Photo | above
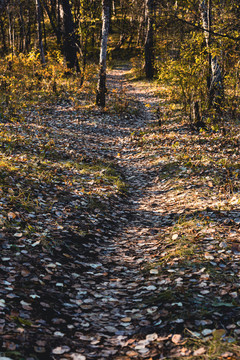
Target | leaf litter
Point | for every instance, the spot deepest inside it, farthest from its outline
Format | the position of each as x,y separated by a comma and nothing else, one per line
119,239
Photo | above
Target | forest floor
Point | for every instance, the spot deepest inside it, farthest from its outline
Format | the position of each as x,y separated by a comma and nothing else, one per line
120,238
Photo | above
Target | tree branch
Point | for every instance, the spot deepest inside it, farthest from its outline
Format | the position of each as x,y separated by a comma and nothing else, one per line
206,30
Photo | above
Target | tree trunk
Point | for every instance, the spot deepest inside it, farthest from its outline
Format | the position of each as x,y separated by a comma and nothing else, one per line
44,31
22,47
196,113
149,40
10,29
101,87
68,31
110,17
140,33
28,34
214,80
52,22
39,24
208,41
3,36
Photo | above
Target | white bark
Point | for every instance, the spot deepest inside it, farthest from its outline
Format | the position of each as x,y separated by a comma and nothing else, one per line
204,14
105,28
101,88
149,40
216,93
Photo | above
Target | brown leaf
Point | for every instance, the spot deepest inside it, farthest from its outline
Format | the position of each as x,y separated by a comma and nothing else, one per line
227,354
11,346
11,215
132,353
25,273
199,351
177,339
126,319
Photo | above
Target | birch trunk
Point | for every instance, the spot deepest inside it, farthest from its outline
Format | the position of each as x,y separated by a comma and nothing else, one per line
101,87
214,81
149,40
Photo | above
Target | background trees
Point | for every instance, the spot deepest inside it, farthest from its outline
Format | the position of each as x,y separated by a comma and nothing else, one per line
193,46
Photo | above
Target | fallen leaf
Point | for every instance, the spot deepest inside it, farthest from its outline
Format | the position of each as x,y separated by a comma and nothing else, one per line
227,354
11,346
18,235
152,337
61,350
177,338
25,273
2,303
132,353
154,271
207,332
126,319
25,305
11,215
199,351
58,333
217,334
78,357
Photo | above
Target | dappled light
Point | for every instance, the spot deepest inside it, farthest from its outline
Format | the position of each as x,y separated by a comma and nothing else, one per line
119,180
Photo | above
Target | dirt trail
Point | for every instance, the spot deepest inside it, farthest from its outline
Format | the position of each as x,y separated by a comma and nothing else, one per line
160,266
141,312
117,286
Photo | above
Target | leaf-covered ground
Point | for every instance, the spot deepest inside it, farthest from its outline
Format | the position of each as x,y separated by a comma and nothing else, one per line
119,239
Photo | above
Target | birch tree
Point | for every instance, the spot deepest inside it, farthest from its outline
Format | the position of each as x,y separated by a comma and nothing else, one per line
214,81
101,87
148,46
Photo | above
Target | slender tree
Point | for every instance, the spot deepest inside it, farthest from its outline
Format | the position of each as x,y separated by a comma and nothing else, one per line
39,23
3,35
148,47
22,37
214,80
53,20
101,87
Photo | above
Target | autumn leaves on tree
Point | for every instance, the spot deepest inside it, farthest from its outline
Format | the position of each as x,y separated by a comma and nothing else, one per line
191,45
119,179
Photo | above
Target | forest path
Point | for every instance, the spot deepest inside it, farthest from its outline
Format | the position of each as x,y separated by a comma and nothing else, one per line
90,272
143,311
120,292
